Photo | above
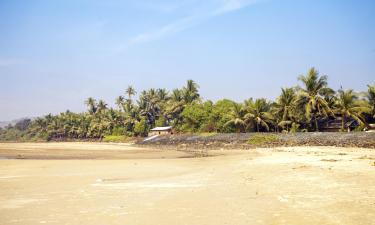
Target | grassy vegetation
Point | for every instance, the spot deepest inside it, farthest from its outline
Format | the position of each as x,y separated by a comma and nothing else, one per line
206,134
114,138
262,139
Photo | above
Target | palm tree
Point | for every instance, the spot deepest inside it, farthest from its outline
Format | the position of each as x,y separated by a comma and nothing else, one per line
91,103
162,94
285,107
174,107
348,106
176,95
131,118
113,120
329,96
120,102
258,113
130,91
237,118
102,106
190,92
150,106
311,96
39,126
152,92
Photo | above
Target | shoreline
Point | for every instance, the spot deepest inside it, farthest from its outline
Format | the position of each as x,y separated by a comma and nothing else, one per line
228,141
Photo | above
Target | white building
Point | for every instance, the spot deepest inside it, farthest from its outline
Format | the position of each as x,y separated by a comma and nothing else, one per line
161,131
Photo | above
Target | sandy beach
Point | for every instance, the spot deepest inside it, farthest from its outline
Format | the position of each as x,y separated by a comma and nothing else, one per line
95,183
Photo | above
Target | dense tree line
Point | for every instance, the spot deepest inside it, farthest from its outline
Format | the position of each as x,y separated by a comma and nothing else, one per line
301,108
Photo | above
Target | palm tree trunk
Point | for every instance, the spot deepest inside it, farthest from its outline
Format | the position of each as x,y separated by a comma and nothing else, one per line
343,123
258,127
316,124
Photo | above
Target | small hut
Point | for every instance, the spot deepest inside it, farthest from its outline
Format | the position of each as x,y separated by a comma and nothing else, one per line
335,125
161,131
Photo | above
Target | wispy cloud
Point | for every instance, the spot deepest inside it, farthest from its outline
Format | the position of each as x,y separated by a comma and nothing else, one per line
220,7
164,7
233,5
164,31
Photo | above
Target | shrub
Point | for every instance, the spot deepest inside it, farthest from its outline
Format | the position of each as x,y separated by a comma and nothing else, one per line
262,139
118,131
294,128
114,138
207,134
141,128
161,122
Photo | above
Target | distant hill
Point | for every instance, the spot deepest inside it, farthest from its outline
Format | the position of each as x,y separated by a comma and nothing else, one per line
13,122
4,123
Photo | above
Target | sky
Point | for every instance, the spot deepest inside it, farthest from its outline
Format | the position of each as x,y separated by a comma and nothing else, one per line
56,53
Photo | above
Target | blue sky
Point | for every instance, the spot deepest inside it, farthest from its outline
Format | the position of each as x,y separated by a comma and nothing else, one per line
55,54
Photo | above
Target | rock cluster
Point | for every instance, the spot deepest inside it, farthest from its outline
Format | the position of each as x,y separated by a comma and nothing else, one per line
243,140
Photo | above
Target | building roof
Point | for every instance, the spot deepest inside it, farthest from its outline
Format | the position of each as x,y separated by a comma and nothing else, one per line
161,128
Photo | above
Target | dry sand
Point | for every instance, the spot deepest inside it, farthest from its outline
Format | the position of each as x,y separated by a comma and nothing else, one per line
129,185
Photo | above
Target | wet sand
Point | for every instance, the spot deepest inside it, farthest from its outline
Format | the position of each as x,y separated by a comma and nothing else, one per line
84,150
130,185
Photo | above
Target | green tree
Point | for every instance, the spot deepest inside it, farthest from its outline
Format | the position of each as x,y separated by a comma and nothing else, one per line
311,96
102,106
285,107
196,116
174,107
190,92
162,94
130,91
237,118
161,122
348,106
91,104
258,114
220,116
120,102
141,128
